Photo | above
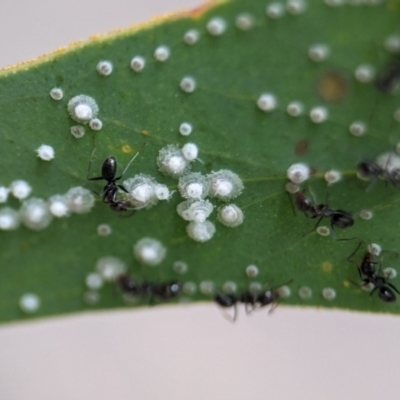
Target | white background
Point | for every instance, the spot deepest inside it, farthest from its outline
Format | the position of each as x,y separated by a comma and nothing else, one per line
182,352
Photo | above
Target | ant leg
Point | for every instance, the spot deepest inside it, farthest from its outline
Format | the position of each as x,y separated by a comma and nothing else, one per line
122,188
130,162
359,272
273,306
315,226
393,287
291,203
373,290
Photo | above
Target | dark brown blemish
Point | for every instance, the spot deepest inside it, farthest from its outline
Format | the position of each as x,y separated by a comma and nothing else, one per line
333,86
301,147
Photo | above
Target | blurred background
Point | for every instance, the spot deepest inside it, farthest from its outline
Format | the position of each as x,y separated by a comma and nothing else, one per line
180,352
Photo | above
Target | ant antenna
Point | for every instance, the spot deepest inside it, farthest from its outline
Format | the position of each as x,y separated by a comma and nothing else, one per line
130,162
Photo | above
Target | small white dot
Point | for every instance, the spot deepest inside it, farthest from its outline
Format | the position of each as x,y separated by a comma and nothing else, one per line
80,200
180,267
392,44
82,108
332,176
78,131
56,93
162,192
91,297
94,281
229,287
292,187
104,230
200,231
110,268
298,173
389,273
225,184
138,63
207,287
374,249
149,251
189,288
275,10
319,52
296,7
185,129
319,114
45,152
230,215
35,214
295,109
188,84
20,189
83,112
252,271
162,53
216,26
190,151
171,161
305,292
323,230
267,102
366,214
195,210
358,128
96,124
58,206
104,68
4,194
284,291
328,293
9,219
244,21
29,303
365,73
191,37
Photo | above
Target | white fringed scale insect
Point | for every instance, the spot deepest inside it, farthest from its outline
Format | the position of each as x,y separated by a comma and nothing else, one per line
225,184
358,128
252,271
9,219
207,287
229,287
162,192
329,294
171,161
284,291
138,63
191,37
193,186
366,214
94,281
29,303
216,26
104,67
267,102
4,191
230,215
200,231
189,288
190,151
96,124
375,249
388,161
319,52
141,191
58,206
295,108
275,10
188,84
80,200
319,114
78,131
162,53
149,251
35,214
195,210
296,7
82,108
104,230
20,189
305,293
180,267
185,129
45,152
323,230
332,176
56,93
298,173
392,44
110,268
244,21
365,73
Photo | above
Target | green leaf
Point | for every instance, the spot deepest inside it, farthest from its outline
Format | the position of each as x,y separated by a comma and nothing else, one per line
231,71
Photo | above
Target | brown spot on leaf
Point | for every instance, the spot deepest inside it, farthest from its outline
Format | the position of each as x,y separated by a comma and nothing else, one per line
301,147
332,87
327,266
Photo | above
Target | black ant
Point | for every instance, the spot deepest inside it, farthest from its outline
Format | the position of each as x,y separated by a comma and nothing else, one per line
371,170
110,190
367,274
387,82
339,218
164,291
